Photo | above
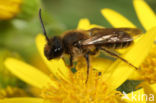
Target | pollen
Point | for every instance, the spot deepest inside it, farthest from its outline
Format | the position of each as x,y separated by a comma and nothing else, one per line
77,91
148,68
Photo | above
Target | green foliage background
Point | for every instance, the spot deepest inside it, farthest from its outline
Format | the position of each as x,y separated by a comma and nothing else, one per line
70,11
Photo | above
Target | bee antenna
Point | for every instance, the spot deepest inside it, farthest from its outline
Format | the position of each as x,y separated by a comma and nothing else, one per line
43,28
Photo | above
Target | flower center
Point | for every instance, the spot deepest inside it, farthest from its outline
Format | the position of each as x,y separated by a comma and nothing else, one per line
148,68
77,91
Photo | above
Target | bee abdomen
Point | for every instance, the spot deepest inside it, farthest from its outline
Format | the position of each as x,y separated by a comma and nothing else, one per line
118,45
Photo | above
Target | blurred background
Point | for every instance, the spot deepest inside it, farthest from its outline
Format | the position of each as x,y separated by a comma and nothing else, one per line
19,25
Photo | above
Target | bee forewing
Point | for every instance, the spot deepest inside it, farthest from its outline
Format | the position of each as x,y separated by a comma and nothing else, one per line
111,35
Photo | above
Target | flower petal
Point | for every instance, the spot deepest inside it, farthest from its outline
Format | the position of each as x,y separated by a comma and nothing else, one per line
153,86
28,73
145,14
136,55
100,64
116,19
83,24
97,63
135,76
57,66
22,100
95,26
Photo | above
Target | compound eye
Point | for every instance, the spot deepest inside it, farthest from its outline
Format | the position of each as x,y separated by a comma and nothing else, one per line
57,50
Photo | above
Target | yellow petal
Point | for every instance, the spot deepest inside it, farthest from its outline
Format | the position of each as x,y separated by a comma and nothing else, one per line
145,14
83,24
124,50
136,55
153,86
94,26
134,76
100,64
116,19
148,88
22,100
57,66
28,73
135,97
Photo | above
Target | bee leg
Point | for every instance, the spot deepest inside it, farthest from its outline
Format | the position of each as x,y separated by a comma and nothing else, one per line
94,51
88,65
71,60
117,56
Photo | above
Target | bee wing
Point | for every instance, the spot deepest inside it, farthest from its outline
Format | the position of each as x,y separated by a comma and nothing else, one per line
130,31
101,36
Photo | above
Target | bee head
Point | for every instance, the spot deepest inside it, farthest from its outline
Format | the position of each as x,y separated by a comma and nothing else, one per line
54,48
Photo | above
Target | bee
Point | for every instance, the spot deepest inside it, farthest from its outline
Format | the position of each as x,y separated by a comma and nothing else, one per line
83,43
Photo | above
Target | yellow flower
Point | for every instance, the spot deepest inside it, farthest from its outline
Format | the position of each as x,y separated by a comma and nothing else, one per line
148,19
148,68
65,87
63,82
9,8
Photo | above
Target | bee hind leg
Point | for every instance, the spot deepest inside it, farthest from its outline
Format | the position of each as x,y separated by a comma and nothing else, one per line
117,56
86,56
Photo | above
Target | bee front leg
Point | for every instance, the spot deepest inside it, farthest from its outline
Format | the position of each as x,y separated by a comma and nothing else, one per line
86,56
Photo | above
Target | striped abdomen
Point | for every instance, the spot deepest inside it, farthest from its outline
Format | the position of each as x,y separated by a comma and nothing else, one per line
118,45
